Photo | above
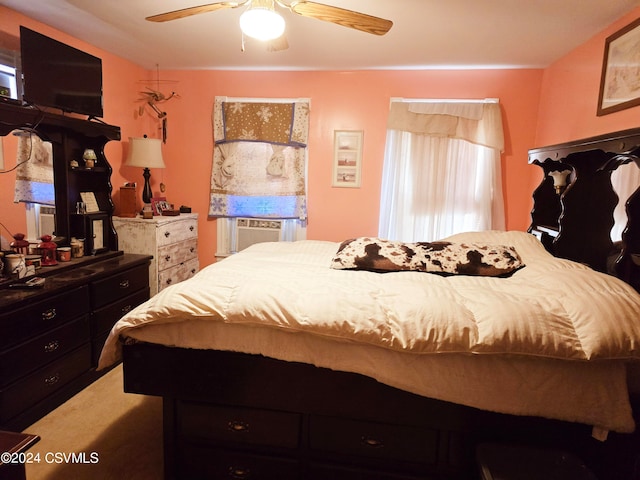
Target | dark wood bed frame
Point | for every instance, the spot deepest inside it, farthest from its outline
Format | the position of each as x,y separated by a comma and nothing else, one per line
238,416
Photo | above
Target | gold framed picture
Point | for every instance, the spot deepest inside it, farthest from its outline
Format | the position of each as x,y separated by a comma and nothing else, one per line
620,81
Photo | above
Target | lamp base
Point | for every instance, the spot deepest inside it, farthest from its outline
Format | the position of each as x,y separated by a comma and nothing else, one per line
146,192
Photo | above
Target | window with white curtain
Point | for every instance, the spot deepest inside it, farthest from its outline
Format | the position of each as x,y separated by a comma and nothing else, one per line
441,171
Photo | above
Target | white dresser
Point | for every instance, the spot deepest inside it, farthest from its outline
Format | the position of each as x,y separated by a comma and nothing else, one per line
173,242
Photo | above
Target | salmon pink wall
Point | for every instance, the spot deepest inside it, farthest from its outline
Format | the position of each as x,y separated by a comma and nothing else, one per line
356,100
539,107
569,97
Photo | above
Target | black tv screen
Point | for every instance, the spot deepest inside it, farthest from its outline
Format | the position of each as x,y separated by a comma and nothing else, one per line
60,76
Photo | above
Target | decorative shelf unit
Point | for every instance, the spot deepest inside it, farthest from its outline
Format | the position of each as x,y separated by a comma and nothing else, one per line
576,224
69,137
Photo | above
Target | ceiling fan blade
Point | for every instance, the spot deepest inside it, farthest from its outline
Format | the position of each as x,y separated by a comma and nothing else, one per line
187,12
342,16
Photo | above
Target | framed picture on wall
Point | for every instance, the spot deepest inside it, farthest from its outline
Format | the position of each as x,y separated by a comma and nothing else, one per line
620,82
347,158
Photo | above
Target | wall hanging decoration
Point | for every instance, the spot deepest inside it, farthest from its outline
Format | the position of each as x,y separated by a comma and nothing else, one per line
153,98
347,158
619,85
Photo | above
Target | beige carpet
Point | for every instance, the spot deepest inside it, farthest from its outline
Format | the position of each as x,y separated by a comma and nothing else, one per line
120,435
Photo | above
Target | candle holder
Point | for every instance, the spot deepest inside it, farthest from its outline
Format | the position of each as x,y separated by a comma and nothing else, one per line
47,251
19,244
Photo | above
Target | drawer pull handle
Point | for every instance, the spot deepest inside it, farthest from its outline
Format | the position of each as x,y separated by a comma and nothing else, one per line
52,380
168,282
240,473
191,228
193,270
167,234
52,346
238,426
49,314
126,309
124,284
167,258
192,249
371,442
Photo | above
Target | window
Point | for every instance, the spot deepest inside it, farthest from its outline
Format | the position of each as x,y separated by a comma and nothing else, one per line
231,238
259,170
9,73
41,220
441,171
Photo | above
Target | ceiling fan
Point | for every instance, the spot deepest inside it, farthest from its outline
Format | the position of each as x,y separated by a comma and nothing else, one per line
261,13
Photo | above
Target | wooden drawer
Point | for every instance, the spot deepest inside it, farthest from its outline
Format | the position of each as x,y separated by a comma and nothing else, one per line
50,346
325,472
104,318
28,391
199,462
239,426
373,440
108,290
177,253
177,231
177,274
21,324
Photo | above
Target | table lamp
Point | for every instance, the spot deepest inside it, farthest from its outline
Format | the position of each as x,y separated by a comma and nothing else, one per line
146,153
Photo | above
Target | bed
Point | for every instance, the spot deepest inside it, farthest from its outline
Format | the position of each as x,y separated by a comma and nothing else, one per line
293,360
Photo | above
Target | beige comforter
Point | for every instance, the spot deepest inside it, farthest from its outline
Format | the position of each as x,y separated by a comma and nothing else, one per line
551,308
549,341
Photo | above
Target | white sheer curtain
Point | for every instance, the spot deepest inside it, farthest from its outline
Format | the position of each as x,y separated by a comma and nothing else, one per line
441,170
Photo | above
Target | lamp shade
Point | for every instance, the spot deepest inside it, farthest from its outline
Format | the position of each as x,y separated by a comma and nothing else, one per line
145,152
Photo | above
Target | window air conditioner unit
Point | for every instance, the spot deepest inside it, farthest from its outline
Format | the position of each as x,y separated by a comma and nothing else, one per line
47,221
256,230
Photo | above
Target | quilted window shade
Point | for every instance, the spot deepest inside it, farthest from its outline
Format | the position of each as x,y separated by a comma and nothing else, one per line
34,172
259,158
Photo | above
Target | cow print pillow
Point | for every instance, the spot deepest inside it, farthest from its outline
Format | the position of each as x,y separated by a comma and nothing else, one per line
376,255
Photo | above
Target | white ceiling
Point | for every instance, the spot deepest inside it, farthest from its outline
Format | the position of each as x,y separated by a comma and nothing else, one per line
425,34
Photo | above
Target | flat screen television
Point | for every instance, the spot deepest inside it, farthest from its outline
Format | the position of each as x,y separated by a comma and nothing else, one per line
60,76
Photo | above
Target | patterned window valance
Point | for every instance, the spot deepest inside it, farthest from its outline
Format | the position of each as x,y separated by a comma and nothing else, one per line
282,123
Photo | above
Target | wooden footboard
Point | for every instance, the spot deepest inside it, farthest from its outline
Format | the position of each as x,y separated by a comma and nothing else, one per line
240,416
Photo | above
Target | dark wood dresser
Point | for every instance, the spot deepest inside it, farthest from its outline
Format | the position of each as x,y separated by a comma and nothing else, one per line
51,337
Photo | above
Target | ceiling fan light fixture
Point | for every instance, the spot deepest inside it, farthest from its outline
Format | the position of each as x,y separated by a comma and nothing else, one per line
262,23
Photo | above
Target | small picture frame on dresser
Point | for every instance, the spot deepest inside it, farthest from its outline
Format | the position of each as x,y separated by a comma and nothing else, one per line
158,204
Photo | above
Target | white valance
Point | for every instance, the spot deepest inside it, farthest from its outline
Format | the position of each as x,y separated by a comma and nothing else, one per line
476,122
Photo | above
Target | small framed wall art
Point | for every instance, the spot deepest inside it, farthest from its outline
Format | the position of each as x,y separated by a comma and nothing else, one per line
347,158
619,85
